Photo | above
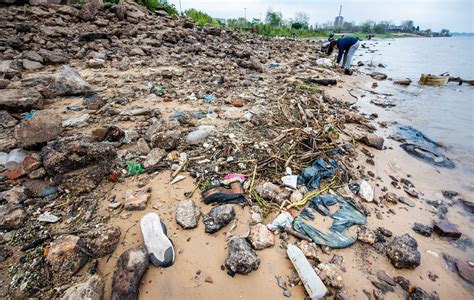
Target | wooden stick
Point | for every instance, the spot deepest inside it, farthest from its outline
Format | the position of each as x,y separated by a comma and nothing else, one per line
297,234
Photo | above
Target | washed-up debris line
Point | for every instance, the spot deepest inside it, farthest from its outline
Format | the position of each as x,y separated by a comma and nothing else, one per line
83,108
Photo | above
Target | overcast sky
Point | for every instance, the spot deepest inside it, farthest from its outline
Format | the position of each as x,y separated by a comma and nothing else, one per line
456,15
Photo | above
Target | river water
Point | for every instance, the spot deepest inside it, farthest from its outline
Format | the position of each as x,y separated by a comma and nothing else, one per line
445,114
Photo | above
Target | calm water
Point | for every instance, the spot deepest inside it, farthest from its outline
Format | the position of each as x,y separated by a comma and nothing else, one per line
445,114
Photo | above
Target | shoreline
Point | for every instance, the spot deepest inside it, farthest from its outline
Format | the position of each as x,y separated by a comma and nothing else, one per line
174,76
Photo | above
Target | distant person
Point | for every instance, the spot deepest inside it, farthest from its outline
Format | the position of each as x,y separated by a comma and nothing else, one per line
347,47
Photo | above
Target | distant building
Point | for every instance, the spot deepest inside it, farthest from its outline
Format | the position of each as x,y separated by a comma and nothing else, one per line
339,19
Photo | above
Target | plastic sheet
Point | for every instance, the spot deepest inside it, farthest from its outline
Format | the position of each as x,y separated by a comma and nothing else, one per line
347,216
320,203
319,170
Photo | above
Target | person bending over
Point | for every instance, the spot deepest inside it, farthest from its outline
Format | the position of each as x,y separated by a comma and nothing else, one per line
347,47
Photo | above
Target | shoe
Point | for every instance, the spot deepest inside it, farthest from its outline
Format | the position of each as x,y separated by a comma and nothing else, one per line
159,246
347,71
222,194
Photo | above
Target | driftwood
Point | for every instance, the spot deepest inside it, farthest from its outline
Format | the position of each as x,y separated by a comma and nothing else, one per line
297,234
324,82
460,80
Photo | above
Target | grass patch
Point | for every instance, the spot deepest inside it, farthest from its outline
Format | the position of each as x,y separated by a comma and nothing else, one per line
309,88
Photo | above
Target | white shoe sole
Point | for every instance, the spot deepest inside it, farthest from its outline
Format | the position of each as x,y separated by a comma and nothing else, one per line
159,246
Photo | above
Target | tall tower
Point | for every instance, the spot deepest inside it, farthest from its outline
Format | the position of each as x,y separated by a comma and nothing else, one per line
339,19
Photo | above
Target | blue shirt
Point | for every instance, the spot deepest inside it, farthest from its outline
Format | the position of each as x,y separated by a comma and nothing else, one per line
343,44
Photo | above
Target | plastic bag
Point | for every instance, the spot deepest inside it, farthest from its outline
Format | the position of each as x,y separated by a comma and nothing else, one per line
134,168
283,220
337,237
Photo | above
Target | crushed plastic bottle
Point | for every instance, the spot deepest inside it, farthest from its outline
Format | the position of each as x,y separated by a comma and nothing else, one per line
15,158
200,134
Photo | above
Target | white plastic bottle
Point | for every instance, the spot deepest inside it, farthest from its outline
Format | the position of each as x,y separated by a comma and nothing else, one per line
312,283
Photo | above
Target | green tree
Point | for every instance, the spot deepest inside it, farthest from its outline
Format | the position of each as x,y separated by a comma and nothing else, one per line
366,27
379,28
302,18
274,19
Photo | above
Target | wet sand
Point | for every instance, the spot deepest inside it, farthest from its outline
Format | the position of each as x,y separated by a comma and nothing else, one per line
200,256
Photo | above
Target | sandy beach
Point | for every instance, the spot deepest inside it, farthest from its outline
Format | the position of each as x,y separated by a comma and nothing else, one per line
156,85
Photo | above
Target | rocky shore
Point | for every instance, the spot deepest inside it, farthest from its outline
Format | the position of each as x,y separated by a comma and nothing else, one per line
109,112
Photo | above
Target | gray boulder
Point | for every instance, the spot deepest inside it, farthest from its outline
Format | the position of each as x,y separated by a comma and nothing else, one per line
12,216
218,217
43,127
68,82
16,100
103,240
403,252
76,165
242,258
66,255
187,214
91,289
53,57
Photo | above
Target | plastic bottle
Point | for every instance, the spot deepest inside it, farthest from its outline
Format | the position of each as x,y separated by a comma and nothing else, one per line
15,158
311,281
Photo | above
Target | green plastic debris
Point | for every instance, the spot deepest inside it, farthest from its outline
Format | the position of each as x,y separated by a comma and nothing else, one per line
134,168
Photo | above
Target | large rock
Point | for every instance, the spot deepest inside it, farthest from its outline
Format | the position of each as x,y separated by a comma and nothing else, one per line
329,274
12,216
420,294
154,157
218,217
102,241
167,140
15,195
7,121
309,249
187,214
90,9
422,229
66,255
372,140
76,165
260,237
242,258
43,127
403,252
252,64
378,76
31,65
444,228
53,57
130,268
68,82
366,235
15,100
137,200
32,56
91,289
10,69
465,270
